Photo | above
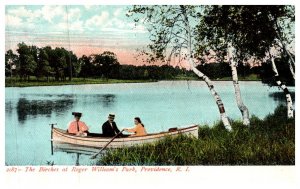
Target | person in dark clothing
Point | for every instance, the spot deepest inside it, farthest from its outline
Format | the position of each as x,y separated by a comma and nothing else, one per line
109,128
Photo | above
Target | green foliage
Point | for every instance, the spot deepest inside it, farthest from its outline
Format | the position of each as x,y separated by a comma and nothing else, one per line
43,67
11,60
215,70
27,60
165,25
252,30
285,76
106,64
270,141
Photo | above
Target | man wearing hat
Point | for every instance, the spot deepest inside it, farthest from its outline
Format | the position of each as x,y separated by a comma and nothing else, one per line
109,128
76,126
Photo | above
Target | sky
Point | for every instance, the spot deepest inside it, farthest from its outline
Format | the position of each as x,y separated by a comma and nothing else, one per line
83,29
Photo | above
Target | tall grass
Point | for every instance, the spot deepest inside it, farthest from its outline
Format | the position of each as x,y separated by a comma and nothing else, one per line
270,141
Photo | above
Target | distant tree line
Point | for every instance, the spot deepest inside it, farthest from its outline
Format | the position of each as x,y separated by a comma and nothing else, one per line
60,64
263,71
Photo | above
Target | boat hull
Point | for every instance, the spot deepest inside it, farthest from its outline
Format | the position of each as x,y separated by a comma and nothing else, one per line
60,136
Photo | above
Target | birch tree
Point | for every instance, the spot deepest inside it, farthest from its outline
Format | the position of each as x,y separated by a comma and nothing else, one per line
233,64
250,30
219,38
283,20
289,102
171,31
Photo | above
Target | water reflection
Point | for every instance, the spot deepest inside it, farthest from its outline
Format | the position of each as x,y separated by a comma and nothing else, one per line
79,153
55,96
280,96
27,107
106,100
39,104
8,107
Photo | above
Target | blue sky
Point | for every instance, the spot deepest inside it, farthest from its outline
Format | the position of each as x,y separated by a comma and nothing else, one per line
84,29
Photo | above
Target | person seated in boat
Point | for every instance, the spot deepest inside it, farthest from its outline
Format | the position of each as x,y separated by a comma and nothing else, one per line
138,129
109,128
78,127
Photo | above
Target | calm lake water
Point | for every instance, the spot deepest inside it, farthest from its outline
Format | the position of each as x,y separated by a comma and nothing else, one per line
160,105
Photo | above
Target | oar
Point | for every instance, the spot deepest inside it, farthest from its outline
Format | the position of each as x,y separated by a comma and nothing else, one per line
94,156
52,126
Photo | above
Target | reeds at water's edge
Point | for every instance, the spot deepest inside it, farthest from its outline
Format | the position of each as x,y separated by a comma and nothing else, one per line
270,141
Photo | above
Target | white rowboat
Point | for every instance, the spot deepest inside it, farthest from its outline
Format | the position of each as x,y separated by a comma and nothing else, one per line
93,140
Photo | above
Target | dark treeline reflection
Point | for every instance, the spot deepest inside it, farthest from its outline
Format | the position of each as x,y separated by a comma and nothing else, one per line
106,100
280,96
8,107
42,107
46,104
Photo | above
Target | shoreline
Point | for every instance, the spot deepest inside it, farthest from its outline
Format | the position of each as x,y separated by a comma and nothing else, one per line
90,81
80,82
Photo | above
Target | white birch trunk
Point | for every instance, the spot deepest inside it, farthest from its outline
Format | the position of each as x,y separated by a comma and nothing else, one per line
292,70
208,82
289,102
291,60
283,46
238,97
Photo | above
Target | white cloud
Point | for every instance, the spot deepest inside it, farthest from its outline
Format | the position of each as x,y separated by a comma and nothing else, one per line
88,7
62,26
73,14
21,12
115,22
140,29
13,21
77,26
118,11
26,14
131,25
97,20
49,12
35,15
73,26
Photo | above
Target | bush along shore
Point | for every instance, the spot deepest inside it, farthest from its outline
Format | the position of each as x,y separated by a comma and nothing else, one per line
270,141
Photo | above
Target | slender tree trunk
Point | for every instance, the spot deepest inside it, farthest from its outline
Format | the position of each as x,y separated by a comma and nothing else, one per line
291,60
283,46
238,97
208,82
292,69
289,102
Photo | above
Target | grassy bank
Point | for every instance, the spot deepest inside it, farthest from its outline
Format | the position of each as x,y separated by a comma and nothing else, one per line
270,141
15,82
75,81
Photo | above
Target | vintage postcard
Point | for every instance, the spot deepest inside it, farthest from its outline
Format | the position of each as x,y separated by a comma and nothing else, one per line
129,90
